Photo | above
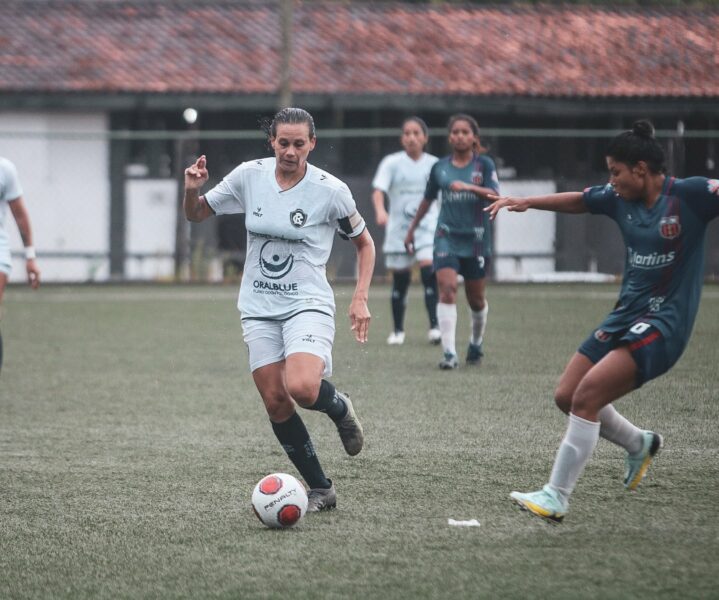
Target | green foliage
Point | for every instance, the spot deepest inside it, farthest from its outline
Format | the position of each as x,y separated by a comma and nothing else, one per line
131,436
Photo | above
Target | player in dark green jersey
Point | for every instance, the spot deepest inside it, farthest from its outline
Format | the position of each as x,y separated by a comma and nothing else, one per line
463,238
663,222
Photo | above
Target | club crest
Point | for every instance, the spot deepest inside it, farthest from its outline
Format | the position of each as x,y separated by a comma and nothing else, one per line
669,227
298,218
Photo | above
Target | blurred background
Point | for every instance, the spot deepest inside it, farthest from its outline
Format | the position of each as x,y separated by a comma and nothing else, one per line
103,103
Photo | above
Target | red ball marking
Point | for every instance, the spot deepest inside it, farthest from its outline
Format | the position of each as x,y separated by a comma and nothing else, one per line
289,515
270,485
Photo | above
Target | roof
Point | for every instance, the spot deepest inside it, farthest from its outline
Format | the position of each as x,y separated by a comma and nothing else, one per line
232,47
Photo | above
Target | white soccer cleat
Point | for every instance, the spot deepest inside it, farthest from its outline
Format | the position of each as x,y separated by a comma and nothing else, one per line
396,338
434,336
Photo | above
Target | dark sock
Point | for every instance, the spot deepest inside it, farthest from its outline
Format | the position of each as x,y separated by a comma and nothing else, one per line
400,285
296,441
429,281
329,402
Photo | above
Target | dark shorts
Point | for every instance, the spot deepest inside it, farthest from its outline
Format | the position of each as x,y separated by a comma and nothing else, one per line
471,268
645,342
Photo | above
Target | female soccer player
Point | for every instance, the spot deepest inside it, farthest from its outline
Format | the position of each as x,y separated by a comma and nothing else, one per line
293,210
11,194
663,221
463,238
402,176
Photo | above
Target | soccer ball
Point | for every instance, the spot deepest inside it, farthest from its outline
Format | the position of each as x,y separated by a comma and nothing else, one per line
279,500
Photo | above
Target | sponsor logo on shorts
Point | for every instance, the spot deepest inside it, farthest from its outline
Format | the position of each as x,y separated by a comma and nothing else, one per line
602,336
669,227
309,339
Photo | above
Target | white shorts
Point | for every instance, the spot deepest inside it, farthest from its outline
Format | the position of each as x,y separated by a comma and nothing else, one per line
401,261
5,258
273,341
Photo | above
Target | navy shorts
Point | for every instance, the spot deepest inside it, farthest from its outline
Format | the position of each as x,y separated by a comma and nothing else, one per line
645,342
471,268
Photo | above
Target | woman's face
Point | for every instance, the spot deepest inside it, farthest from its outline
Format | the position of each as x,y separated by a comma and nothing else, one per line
413,138
461,136
628,181
292,146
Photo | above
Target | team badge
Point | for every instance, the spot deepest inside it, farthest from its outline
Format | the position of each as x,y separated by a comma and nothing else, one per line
298,218
669,227
713,186
602,336
477,177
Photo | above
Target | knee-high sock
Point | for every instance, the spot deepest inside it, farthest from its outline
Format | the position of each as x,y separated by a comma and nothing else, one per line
429,281
573,454
479,324
447,317
329,402
295,440
400,285
619,430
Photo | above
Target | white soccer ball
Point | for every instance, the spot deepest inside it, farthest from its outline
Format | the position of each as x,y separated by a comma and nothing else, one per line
279,500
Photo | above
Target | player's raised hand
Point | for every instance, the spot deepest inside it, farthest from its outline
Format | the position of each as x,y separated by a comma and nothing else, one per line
196,175
359,318
508,202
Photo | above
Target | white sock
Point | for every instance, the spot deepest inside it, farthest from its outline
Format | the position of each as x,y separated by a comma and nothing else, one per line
573,454
447,319
618,430
479,324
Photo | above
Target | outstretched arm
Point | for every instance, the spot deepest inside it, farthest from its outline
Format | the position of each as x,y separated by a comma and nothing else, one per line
482,192
359,311
22,218
196,207
565,202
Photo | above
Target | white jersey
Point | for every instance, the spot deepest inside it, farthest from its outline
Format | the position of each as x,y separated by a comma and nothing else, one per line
404,180
9,190
289,236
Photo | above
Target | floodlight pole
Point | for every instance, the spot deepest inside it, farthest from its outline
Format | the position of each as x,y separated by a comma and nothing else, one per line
285,91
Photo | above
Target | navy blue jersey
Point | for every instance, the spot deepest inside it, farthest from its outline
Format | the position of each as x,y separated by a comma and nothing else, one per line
664,265
462,226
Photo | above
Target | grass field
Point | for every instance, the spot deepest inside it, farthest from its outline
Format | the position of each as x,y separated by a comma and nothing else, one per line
131,437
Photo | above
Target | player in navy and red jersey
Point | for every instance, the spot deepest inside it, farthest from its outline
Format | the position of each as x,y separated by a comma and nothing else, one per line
463,237
663,222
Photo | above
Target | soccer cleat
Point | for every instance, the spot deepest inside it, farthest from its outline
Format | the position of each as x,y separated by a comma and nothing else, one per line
321,499
449,362
474,354
350,429
637,464
396,338
434,336
544,503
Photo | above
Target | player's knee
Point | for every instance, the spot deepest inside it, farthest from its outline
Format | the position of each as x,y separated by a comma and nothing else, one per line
448,295
304,391
585,400
278,406
563,399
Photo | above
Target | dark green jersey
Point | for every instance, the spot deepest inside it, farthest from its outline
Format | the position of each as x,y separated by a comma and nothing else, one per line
463,228
664,267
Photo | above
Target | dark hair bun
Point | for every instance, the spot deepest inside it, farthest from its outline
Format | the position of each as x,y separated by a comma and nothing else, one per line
643,129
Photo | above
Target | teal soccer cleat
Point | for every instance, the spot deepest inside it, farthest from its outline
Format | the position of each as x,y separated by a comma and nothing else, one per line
545,503
474,354
637,464
449,362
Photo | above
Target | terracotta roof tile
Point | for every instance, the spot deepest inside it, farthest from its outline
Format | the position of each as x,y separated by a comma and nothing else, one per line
234,47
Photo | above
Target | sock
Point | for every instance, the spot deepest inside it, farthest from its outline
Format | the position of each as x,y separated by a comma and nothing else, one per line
400,285
329,402
618,430
429,281
573,454
479,324
296,441
447,317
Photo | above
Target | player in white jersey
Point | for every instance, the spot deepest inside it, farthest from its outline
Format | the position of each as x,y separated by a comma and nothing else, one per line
11,194
293,211
402,177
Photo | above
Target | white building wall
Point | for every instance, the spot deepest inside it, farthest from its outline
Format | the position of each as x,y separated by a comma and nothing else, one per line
63,164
